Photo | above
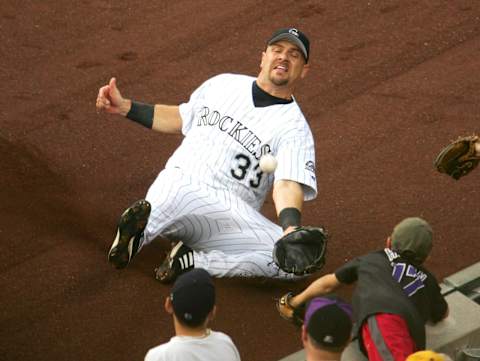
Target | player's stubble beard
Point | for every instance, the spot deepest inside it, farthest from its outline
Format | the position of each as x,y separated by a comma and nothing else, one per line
279,82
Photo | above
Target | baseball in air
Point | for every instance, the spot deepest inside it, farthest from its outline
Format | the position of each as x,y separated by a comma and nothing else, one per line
268,163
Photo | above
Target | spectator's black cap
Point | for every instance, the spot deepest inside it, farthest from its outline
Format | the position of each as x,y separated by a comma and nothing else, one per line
193,296
328,321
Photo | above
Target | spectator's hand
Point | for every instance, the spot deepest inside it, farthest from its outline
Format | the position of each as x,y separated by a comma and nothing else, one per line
288,312
110,99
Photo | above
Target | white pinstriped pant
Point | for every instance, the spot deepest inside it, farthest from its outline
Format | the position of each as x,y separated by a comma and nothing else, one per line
229,238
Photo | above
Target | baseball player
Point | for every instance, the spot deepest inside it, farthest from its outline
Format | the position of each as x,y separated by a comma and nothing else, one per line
208,198
394,295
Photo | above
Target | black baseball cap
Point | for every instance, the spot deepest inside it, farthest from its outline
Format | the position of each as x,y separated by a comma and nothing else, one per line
193,297
294,36
328,321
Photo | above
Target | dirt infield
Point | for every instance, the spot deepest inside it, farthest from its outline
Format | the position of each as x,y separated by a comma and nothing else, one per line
391,83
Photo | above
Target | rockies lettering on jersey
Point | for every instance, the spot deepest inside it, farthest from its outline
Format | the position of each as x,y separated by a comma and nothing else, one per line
235,129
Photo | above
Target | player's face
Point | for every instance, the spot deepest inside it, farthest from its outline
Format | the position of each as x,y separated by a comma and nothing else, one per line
283,64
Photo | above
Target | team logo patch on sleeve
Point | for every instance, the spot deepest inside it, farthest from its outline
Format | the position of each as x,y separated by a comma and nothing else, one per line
310,165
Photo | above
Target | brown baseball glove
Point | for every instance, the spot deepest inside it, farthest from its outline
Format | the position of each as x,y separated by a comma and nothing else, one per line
288,312
458,158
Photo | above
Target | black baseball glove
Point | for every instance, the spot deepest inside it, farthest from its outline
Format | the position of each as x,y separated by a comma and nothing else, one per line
301,251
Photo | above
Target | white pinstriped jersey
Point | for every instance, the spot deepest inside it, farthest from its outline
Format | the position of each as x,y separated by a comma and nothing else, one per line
225,136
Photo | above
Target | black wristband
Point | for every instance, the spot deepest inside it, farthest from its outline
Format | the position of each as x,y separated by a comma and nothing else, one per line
290,217
141,113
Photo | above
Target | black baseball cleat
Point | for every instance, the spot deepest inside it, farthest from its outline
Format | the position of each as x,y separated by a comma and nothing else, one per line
178,261
129,232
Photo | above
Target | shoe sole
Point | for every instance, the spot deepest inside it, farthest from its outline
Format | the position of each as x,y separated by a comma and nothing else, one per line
121,251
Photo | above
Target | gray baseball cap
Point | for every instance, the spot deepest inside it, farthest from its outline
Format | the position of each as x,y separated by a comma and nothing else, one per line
294,36
413,235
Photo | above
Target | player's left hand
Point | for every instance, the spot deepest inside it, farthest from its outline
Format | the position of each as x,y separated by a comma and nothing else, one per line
289,230
302,251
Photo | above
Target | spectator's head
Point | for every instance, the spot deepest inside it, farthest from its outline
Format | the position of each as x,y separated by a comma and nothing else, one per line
192,299
428,355
412,239
327,326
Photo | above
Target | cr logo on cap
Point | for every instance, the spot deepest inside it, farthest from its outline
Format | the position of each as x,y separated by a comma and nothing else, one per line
293,31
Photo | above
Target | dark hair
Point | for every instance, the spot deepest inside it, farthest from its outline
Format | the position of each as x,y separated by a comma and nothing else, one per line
193,323
323,347
411,257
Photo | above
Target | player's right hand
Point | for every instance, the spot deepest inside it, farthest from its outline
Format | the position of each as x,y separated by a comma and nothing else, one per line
110,99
